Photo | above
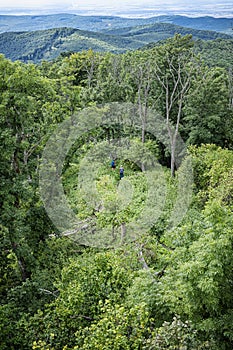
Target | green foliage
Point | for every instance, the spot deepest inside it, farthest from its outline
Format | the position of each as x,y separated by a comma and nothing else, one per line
9,271
208,116
196,274
86,284
216,52
213,173
118,328
56,294
177,335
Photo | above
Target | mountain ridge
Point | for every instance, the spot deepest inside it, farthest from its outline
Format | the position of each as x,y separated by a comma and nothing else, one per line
9,23
48,44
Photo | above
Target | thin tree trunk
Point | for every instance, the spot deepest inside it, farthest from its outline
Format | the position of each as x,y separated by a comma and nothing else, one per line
123,231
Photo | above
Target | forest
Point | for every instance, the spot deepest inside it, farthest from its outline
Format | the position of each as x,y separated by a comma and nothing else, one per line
36,46
89,261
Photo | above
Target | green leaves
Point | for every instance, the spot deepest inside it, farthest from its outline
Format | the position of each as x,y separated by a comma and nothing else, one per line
207,116
177,335
57,294
213,173
118,328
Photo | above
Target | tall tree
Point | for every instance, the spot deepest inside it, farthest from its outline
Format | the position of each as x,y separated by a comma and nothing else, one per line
207,112
25,96
173,69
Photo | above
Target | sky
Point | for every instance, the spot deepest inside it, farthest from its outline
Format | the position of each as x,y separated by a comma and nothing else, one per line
220,7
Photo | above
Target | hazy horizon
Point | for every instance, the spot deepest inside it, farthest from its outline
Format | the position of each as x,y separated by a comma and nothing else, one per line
137,8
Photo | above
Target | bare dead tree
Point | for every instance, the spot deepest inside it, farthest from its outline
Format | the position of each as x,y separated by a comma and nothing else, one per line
230,83
90,65
175,85
144,80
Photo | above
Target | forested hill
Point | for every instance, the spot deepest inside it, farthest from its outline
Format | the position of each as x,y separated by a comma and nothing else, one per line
101,23
48,44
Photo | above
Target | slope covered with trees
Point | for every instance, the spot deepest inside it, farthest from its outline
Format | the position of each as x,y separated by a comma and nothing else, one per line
171,286
36,46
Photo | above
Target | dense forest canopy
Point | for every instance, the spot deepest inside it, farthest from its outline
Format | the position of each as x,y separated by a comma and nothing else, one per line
168,286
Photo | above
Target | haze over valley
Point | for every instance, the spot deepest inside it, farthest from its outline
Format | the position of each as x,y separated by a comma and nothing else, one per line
137,8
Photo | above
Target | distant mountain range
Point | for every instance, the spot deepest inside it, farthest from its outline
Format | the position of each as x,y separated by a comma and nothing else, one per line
112,34
101,23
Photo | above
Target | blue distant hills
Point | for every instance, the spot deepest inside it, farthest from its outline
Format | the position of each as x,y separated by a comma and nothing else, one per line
102,23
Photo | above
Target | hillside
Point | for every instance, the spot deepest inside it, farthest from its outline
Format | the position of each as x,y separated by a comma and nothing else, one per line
160,31
101,23
50,43
216,53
